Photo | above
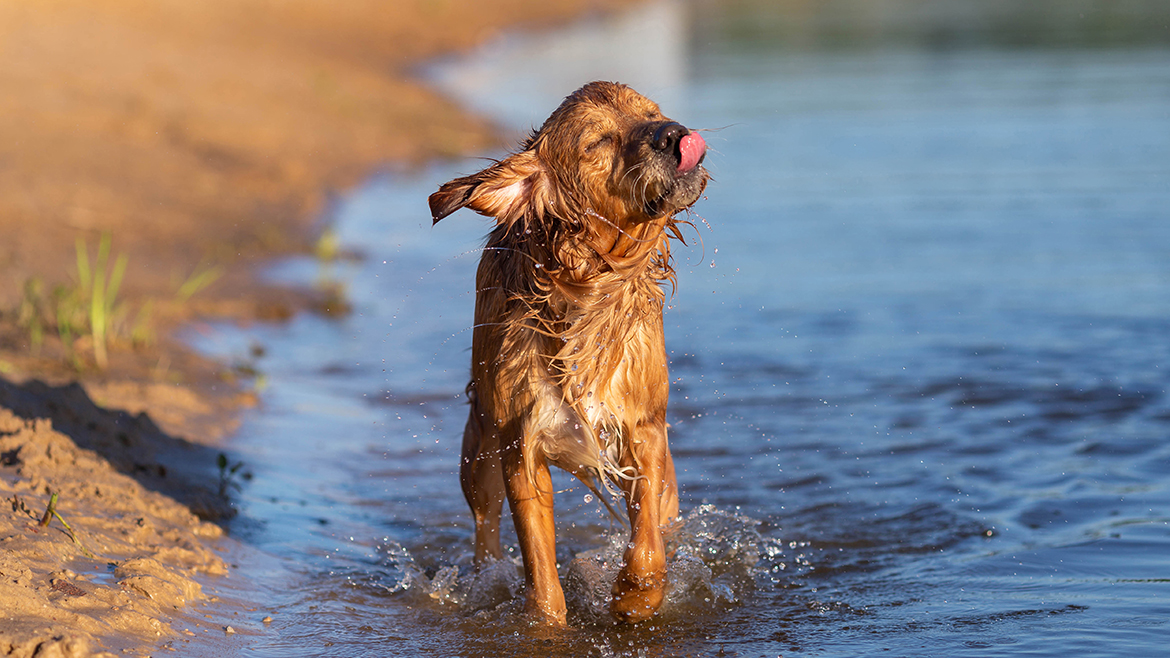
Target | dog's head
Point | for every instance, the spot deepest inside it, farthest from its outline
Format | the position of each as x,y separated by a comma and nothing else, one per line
606,151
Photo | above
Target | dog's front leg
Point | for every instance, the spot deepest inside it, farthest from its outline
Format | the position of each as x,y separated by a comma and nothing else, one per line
530,495
641,583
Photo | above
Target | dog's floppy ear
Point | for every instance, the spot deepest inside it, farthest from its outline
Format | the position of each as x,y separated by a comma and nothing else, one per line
506,190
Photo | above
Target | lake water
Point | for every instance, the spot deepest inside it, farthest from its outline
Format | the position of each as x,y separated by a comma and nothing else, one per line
920,353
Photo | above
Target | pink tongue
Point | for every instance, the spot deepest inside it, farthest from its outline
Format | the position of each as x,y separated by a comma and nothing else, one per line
691,149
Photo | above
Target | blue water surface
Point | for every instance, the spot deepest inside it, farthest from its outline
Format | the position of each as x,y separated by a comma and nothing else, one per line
920,351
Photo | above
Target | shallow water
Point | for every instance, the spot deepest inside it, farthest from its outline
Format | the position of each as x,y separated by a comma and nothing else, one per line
920,358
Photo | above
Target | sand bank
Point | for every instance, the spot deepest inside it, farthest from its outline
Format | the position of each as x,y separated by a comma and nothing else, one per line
200,138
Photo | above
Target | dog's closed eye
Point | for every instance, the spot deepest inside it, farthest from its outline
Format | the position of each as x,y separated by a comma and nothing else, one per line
607,139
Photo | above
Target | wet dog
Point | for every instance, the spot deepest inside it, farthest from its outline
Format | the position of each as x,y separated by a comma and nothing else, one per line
568,362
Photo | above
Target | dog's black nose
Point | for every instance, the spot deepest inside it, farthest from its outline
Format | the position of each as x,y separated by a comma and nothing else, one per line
667,136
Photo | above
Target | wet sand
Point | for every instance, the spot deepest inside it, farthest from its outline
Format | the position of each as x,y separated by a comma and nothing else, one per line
203,137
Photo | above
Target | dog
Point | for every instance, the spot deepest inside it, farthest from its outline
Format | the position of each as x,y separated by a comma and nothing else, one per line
568,359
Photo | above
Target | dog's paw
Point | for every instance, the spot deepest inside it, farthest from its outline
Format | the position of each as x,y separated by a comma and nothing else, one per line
637,598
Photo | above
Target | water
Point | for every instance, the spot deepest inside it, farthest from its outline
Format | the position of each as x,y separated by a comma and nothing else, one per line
920,358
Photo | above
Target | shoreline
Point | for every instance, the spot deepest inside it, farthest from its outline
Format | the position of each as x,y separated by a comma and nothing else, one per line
201,149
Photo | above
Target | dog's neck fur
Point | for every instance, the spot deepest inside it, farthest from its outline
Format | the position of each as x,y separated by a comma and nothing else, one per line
574,269
580,311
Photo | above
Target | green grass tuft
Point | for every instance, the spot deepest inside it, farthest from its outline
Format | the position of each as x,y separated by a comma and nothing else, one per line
100,286
88,316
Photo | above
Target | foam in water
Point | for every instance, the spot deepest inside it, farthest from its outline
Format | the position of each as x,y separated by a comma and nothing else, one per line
714,559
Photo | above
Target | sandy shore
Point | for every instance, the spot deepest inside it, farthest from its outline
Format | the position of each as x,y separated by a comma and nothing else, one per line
204,139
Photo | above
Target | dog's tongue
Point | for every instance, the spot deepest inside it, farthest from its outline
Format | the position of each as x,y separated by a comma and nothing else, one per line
691,149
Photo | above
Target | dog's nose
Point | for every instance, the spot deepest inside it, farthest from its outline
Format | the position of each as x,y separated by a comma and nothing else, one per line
667,137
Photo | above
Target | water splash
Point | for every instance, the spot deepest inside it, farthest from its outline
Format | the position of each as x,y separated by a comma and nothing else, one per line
460,586
714,559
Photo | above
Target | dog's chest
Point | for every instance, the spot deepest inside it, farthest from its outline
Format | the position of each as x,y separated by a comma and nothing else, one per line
611,365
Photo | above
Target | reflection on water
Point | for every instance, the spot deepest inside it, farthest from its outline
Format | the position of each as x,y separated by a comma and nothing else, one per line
921,365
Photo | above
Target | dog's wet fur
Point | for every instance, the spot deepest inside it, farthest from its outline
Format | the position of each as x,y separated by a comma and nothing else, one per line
568,361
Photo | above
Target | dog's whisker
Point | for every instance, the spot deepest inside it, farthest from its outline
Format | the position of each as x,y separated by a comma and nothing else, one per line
641,187
639,166
629,171
715,130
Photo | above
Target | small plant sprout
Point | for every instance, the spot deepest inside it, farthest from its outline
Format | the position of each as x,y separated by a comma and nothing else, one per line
201,278
328,246
29,314
227,473
87,314
50,513
100,285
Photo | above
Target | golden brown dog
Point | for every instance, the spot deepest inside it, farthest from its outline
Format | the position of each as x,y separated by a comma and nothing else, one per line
568,361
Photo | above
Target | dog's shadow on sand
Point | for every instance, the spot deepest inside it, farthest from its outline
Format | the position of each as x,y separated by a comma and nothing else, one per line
190,473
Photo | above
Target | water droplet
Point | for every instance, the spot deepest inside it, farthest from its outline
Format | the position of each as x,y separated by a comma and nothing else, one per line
589,498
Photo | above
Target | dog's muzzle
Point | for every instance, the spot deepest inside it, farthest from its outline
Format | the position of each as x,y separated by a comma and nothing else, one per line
688,148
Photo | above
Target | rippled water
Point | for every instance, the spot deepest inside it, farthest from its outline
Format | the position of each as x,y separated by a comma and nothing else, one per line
921,349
